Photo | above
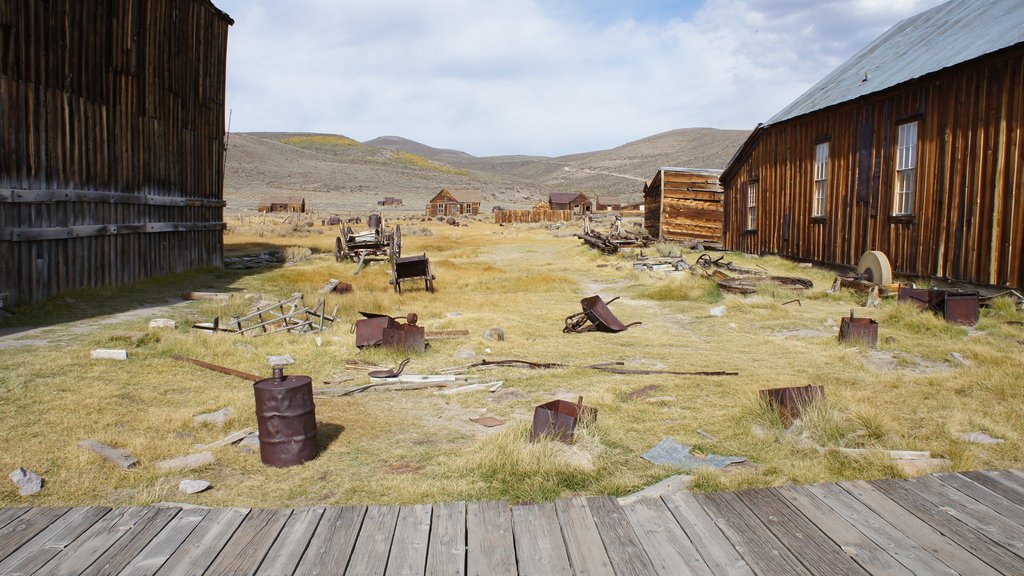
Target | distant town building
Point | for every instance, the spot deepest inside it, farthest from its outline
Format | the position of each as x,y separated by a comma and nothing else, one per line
389,201
454,203
282,204
569,201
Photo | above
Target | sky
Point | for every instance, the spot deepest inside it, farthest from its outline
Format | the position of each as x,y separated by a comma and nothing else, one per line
539,77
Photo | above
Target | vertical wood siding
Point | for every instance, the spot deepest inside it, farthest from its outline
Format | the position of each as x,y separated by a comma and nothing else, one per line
968,210
111,141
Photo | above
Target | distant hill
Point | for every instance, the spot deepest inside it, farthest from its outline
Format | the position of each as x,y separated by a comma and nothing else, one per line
335,173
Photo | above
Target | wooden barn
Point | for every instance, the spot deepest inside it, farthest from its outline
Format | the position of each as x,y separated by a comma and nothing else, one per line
569,201
912,147
111,142
282,204
684,204
455,203
390,201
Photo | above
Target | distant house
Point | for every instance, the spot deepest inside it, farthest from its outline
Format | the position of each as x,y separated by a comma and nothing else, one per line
616,204
282,204
684,204
389,201
569,201
454,203
912,147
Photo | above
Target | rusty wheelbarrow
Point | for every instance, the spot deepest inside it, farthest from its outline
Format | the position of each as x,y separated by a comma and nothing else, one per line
596,312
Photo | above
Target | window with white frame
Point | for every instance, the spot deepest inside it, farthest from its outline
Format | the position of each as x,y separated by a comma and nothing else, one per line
752,205
906,168
820,180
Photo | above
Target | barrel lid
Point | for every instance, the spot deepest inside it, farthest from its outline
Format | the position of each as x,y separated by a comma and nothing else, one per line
284,384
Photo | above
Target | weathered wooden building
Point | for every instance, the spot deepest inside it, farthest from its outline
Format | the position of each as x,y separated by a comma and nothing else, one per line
608,203
912,147
282,204
569,201
455,203
682,204
111,142
389,201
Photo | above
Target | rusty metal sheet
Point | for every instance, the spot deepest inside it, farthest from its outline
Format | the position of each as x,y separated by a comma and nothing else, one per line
558,419
596,311
789,402
859,330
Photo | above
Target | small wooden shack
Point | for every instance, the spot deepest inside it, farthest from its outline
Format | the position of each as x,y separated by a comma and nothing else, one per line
454,203
569,201
282,204
682,204
389,201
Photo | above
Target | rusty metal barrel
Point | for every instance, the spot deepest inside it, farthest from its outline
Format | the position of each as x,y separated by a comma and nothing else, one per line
286,417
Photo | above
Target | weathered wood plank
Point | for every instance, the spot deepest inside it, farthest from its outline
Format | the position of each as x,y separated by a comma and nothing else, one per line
625,552
90,546
446,555
245,550
26,527
331,547
164,544
409,547
938,545
667,546
204,543
490,549
8,515
122,552
859,547
540,549
812,548
48,543
993,554
284,556
996,482
763,551
582,540
370,555
905,550
1005,507
719,554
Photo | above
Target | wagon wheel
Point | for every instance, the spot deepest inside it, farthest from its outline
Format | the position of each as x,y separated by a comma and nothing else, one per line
396,242
394,277
339,249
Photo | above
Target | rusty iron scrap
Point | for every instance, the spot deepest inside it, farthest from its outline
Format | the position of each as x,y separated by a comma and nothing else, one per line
383,330
598,315
216,368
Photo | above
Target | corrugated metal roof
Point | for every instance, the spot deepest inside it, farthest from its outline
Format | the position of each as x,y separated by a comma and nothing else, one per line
939,38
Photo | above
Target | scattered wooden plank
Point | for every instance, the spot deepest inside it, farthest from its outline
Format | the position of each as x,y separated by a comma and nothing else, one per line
540,550
26,527
624,549
409,547
582,539
45,545
117,456
718,553
198,550
126,548
446,555
996,482
490,386
445,334
284,556
894,454
489,539
419,379
245,550
993,554
943,548
373,546
763,551
93,543
165,543
667,545
331,547
215,296
227,440
189,462
220,369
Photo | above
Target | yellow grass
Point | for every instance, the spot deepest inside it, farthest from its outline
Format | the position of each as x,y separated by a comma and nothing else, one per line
420,446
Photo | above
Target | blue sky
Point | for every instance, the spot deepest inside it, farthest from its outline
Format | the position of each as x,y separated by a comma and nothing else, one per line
545,77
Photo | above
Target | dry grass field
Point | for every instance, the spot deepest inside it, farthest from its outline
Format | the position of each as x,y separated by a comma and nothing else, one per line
420,446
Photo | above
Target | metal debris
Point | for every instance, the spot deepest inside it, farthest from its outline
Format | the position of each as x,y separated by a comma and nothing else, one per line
412,268
749,284
669,452
955,306
383,330
597,313
789,402
864,330
558,419
616,239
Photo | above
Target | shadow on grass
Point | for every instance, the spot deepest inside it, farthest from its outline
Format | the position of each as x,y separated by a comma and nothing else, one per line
327,433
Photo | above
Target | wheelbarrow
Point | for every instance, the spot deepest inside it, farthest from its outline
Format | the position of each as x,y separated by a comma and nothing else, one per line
411,268
598,315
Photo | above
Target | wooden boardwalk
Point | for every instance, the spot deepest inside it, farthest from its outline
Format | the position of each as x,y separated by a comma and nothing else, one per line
970,523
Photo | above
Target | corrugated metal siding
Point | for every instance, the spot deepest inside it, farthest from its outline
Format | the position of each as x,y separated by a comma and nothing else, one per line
111,141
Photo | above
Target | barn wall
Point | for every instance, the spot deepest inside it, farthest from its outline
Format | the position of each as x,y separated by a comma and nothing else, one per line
968,214
688,204
111,141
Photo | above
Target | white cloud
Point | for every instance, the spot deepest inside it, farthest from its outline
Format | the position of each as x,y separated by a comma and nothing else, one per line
525,76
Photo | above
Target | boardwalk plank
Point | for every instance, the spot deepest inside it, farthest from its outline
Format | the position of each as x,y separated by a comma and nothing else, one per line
993,554
881,532
490,546
971,512
204,543
996,482
857,546
763,551
370,555
540,549
626,553
164,544
92,544
1005,507
125,549
446,555
587,554
408,555
805,541
938,545
720,555
331,547
48,543
248,546
283,557
8,515
26,527
667,546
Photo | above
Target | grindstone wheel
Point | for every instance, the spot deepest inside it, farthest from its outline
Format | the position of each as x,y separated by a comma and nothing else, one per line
874,266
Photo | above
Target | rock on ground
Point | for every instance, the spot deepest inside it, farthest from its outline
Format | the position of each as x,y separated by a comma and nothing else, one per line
218,418
192,486
28,483
496,334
